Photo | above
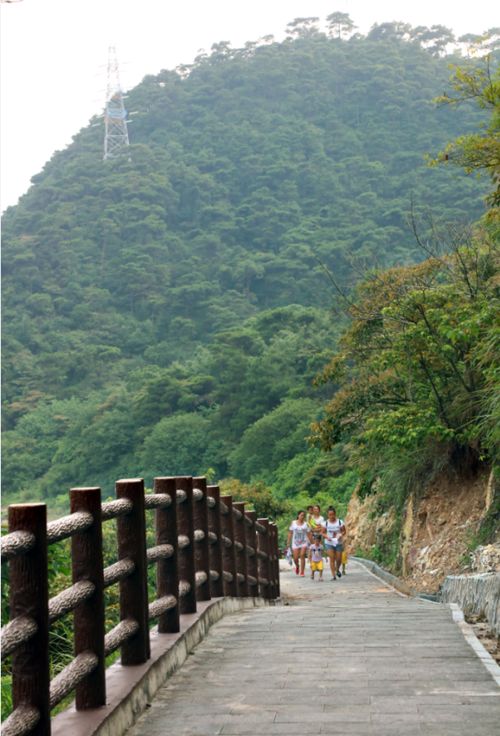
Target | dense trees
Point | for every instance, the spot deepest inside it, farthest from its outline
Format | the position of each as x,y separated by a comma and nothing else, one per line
171,307
409,371
415,379
478,151
188,417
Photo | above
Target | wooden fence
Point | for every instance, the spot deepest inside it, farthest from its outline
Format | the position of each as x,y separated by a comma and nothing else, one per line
206,546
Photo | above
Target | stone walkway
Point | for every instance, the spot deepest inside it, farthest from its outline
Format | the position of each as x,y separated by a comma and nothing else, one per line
345,657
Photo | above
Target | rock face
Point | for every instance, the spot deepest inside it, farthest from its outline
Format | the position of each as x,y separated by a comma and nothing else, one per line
435,534
486,559
366,529
477,595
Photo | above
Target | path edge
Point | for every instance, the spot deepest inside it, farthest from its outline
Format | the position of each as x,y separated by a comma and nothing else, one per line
472,640
129,690
387,577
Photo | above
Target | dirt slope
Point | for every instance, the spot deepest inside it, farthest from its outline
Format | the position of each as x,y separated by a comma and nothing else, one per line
437,533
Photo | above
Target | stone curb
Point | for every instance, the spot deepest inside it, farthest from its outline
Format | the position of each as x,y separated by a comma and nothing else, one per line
129,690
476,594
472,640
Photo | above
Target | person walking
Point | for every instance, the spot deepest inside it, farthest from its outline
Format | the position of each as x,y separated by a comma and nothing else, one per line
298,535
334,536
316,550
316,521
344,554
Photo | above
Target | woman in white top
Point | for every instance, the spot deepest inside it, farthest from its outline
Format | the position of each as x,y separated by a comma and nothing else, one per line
298,535
334,538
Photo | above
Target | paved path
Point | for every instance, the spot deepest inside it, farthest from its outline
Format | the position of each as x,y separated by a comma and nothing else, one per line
345,657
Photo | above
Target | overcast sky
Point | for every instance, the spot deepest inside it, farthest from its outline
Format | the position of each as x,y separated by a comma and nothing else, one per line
54,54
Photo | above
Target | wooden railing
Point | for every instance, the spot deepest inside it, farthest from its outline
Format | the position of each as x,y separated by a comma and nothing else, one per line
206,546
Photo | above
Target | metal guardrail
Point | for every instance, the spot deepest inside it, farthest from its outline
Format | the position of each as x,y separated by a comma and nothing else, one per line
206,546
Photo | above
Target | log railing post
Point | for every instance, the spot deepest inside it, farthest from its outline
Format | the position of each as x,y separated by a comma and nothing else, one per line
88,617
228,552
253,561
28,578
271,567
240,535
265,562
215,549
201,546
274,559
167,575
133,589
185,528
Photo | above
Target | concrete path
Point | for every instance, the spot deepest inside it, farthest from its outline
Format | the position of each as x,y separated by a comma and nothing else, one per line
345,657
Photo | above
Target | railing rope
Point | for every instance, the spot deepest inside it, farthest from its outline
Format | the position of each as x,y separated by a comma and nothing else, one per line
69,599
70,678
185,588
181,496
183,541
160,552
66,526
117,571
201,578
161,605
16,543
157,500
197,492
118,634
16,632
113,509
21,721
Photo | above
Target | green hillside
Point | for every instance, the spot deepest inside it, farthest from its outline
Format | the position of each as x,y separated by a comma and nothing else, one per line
168,310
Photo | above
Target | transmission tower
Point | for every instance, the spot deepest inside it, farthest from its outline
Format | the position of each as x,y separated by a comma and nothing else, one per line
115,115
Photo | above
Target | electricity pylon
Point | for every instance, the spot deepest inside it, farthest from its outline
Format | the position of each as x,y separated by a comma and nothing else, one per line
115,115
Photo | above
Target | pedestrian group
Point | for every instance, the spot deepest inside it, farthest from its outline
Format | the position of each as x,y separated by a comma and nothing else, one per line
307,535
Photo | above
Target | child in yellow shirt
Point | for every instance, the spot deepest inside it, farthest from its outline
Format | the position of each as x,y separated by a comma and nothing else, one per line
316,551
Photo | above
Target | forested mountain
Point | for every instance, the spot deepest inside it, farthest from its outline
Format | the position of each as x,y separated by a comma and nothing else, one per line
166,311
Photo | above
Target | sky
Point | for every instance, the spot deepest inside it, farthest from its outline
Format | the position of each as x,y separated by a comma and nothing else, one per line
53,55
